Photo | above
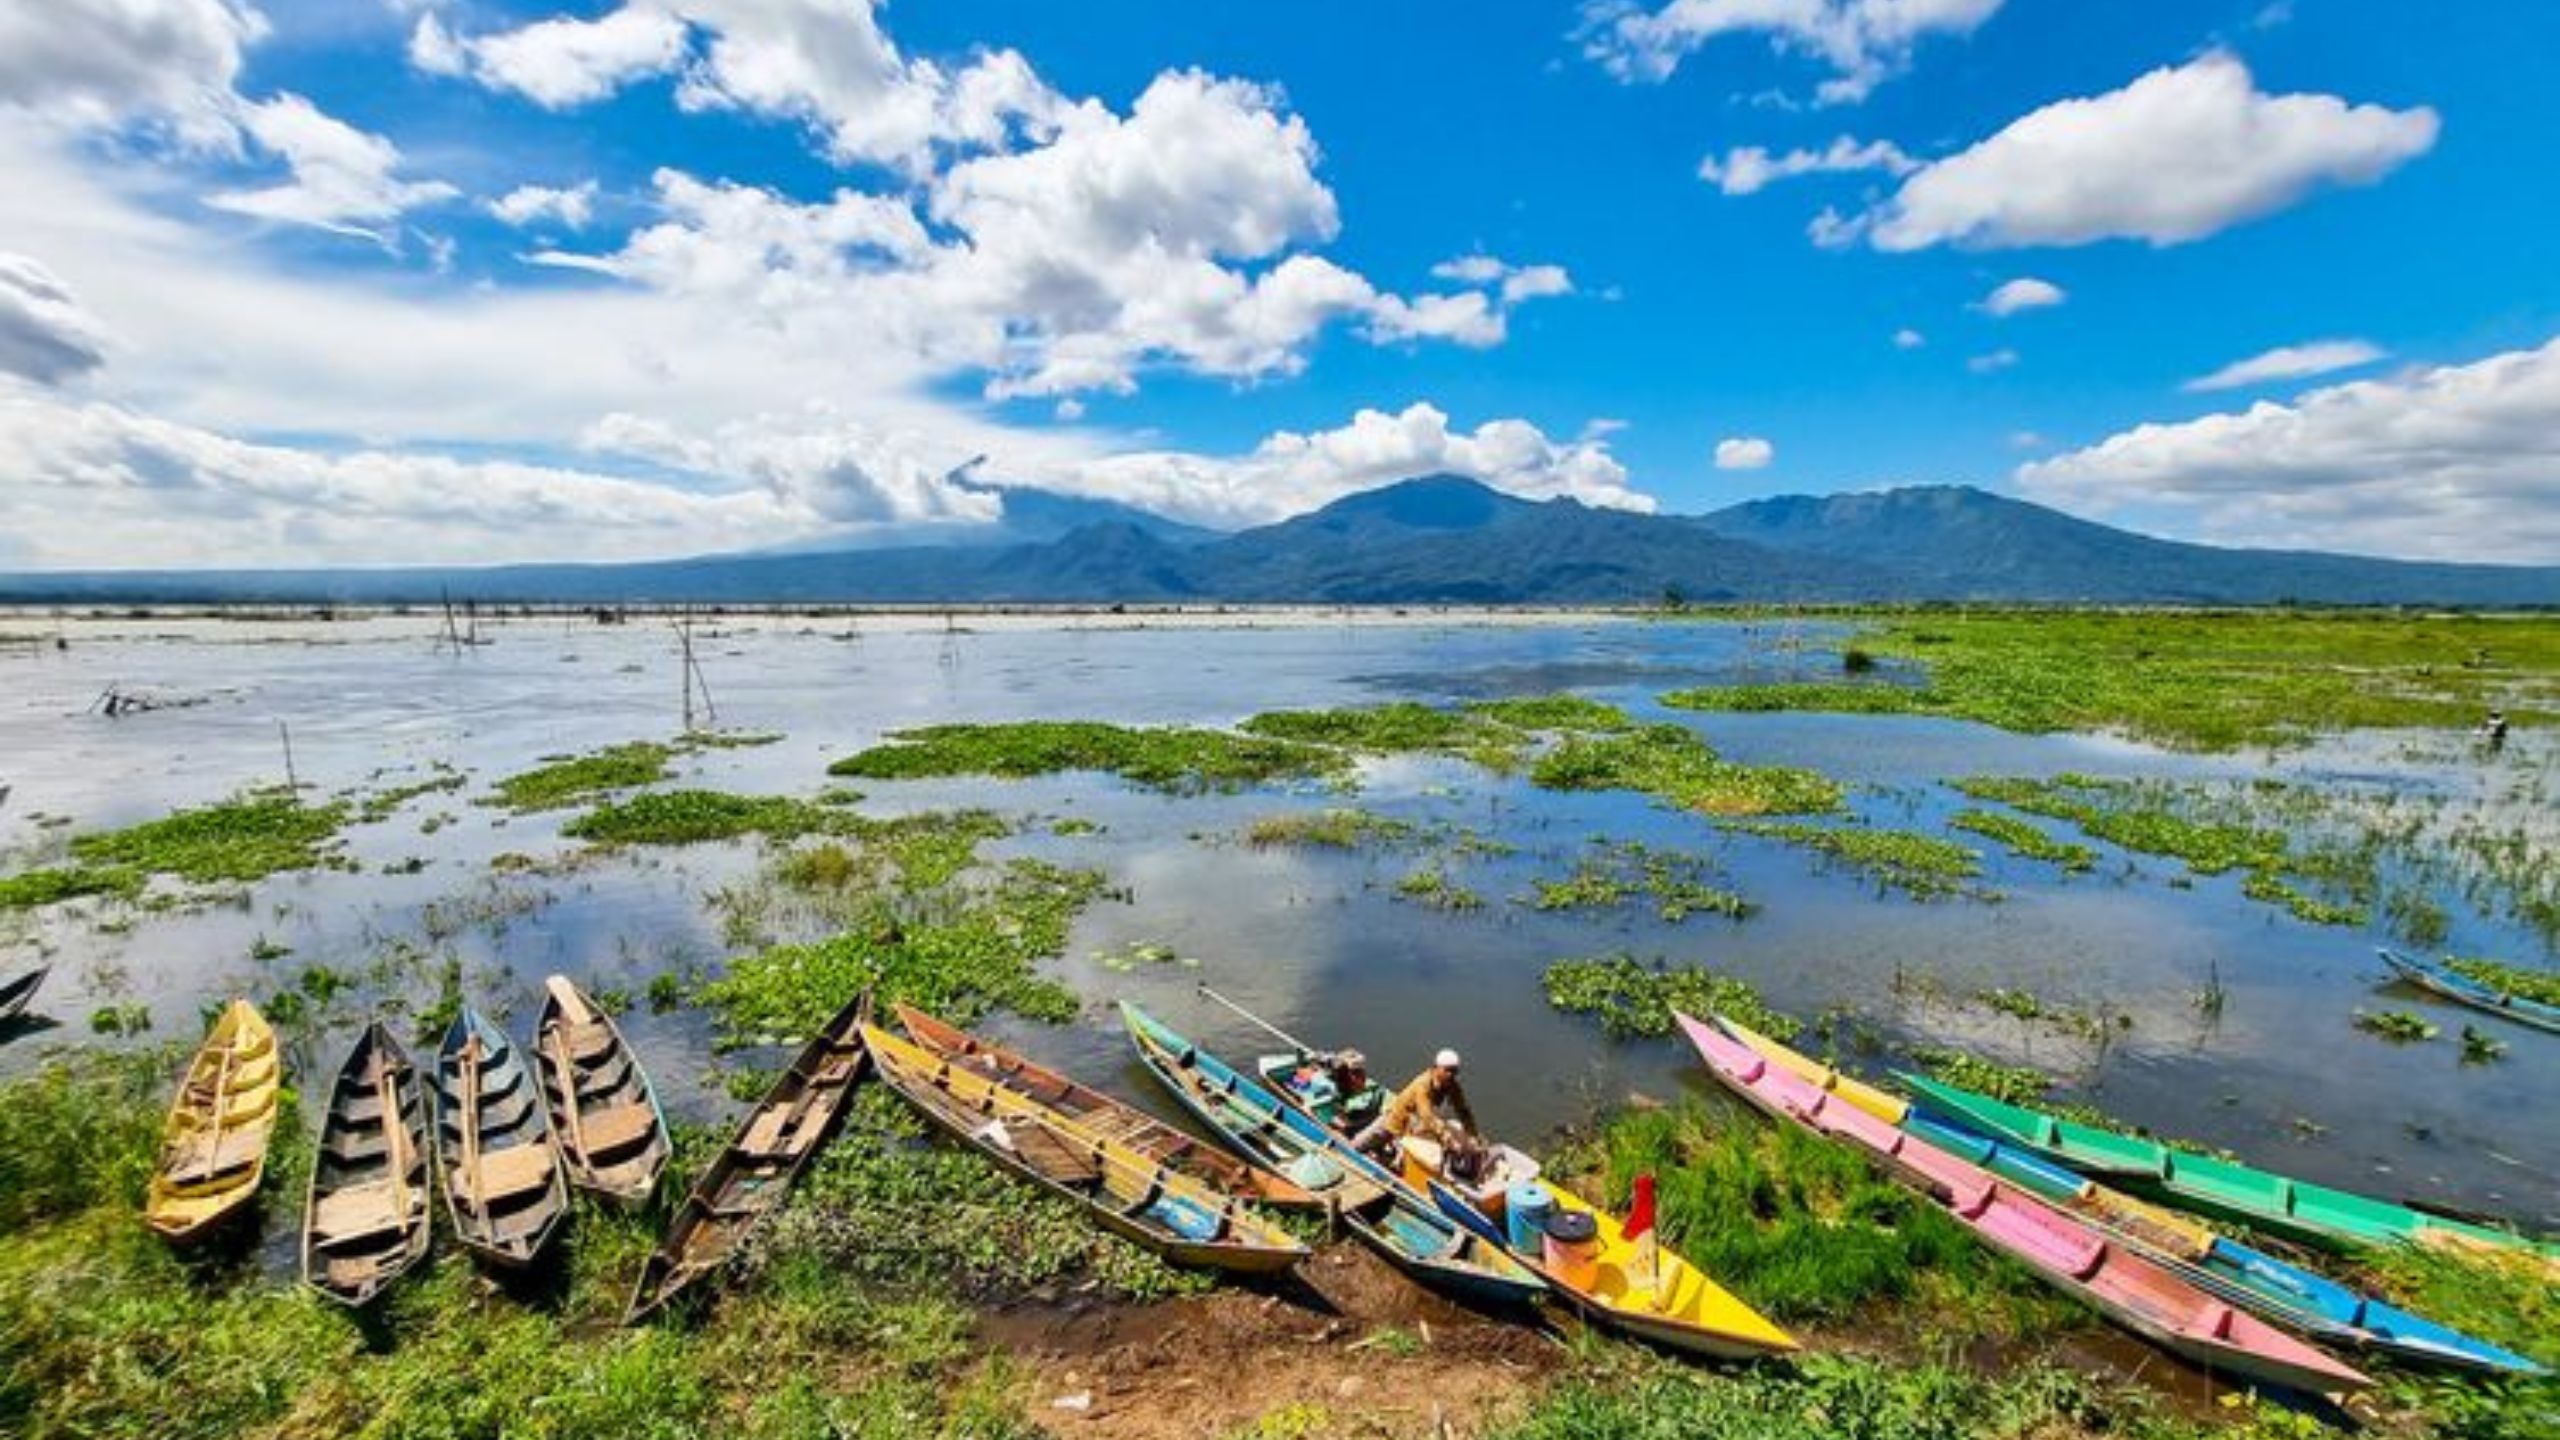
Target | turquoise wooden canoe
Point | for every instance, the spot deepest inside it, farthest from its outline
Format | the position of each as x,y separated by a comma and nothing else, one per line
2462,989
1407,1231
2322,1216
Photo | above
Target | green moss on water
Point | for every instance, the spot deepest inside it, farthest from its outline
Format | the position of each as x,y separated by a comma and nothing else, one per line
2020,838
51,887
1672,764
2196,680
1170,758
1632,998
569,780
1924,867
247,839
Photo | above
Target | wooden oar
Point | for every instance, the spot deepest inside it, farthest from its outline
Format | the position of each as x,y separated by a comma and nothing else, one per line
470,1058
395,1133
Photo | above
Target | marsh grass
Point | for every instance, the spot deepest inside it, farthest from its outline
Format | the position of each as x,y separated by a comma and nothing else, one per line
569,780
1672,764
1175,759
1925,867
2194,680
240,840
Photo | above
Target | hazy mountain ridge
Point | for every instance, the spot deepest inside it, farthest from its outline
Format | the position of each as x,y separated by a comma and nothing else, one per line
1440,540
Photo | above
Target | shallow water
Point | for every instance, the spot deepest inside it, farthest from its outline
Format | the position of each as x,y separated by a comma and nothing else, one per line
1317,942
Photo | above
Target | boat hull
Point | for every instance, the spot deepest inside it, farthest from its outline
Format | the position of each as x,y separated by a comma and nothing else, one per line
2463,990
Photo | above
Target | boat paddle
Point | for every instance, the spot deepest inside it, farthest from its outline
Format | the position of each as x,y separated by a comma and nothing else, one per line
1285,1038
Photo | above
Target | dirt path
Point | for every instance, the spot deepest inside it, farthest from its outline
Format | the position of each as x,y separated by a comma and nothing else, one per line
1353,1350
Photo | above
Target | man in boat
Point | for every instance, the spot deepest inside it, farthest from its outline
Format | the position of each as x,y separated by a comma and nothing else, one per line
1432,1107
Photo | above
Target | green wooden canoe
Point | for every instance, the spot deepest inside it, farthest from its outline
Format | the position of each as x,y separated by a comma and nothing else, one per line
2201,1183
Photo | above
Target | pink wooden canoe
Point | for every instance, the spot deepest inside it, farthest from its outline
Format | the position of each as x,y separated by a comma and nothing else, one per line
2139,1294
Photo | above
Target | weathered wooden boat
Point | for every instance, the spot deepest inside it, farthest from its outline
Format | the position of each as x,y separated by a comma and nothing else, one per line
2302,1300
2207,1185
752,1174
1135,1196
603,1111
504,1188
1307,1087
367,1219
2453,985
1409,1232
17,990
1636,1286
213,1151
1097,1112
2148,1298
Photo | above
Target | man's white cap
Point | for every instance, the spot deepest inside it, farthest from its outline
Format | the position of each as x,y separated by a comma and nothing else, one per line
1445,1060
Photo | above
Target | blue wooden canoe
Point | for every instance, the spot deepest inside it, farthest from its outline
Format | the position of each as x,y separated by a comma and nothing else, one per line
1407,1231
2462,989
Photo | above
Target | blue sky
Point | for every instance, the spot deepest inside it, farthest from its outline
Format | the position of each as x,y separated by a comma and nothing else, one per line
395,280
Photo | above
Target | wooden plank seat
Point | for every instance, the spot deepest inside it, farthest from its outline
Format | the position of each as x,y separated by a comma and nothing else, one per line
515,1170
364,1212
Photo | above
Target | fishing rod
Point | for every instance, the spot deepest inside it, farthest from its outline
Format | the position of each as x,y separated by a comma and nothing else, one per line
1292,1041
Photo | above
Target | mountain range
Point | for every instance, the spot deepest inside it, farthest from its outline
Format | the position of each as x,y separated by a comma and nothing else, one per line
1438,539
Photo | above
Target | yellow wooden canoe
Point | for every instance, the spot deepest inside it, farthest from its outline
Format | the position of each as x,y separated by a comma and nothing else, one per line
1647,1291
214,1150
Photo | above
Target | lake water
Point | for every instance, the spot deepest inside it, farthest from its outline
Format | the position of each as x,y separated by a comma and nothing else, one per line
1317,942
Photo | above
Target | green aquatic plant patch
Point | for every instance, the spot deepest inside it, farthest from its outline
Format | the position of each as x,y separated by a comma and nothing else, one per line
1177,759
1632,998
2542,986
1672,764
1924,867
35,888
1611,875
1402,727
2013,1084
1554,713
569,780
1431,886
1337,828
246,839
2020,838
690,817
2195,680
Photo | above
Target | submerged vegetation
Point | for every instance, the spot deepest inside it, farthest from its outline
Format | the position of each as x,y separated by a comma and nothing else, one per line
2200,681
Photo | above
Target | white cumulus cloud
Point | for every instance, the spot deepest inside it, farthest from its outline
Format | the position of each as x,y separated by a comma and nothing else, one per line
340,175
1749,169
1291,472
97,63
2288,362
1908,339
2457,462
1744,452
45,334
2024,293
572,206
1861,42
2179,154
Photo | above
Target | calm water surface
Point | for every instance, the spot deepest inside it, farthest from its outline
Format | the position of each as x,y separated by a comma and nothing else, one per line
1316,942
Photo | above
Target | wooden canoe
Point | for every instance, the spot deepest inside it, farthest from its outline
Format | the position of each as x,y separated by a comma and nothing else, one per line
2148,1298
1641,1288
753,1172
367,1219
503,1185
213,1151
1097,1112
603,1111
2299,1299
2317,1214
1133,1195
17,990
2462,989
1407,1231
